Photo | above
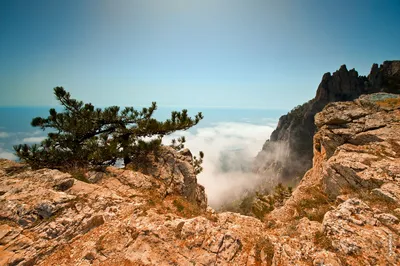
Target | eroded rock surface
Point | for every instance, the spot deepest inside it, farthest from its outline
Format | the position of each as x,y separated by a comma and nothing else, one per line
289,151
353,187
121,217
345,211
46,211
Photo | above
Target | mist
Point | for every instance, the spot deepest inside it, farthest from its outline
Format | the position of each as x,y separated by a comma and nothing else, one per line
230,149
7,154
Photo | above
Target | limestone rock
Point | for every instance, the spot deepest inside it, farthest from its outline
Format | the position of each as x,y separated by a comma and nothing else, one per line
124,217
294,132
354,183
326,258
64,184
354,231
345,211
177,173
94,177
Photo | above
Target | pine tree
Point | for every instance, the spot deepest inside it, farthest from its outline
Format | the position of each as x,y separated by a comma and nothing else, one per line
85,136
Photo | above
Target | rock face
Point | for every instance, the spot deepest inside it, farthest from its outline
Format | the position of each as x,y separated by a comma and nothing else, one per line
360,140
155,216
293,136
176,170
345,211
353,188
46,210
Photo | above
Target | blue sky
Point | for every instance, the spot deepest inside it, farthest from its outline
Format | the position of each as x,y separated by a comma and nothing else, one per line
225,53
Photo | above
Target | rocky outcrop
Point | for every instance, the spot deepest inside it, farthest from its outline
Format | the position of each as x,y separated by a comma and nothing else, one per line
345,211
45,211
357,230
293,137
175,170
155,216
353,187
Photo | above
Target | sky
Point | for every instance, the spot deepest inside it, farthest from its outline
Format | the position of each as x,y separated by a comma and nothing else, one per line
208,53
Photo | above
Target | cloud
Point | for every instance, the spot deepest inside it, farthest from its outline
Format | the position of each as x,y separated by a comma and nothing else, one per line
33,139
229,149
4,135
7,154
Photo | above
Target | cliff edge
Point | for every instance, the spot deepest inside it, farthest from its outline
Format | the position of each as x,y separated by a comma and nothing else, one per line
155,216
293,137
345,211
353,189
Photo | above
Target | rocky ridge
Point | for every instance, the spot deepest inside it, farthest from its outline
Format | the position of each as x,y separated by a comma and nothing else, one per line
345,210
353,188
292,140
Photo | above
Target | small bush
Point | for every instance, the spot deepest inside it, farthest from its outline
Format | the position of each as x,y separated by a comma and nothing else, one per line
178,205
264,204
78,174
184,207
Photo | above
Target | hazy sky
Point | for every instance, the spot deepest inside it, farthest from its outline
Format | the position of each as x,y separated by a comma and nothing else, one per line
249,53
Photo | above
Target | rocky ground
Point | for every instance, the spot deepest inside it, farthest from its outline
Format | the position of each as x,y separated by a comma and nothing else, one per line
120,217
345,210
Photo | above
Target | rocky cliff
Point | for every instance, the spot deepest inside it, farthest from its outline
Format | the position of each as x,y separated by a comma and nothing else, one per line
353,189
292,139
52,218
345,210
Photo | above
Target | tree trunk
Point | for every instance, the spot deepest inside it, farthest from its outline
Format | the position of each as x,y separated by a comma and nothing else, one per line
127,160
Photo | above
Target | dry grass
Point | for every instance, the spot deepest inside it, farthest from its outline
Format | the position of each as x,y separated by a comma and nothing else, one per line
78,174
323,241
99,246
375,201
9,222
315,205
16,169
395,146
265,247
291,229
152,201
181,207
389,102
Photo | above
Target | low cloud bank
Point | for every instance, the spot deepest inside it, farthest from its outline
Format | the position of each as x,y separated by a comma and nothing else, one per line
33,139
7,154
4,135
9,139
229,149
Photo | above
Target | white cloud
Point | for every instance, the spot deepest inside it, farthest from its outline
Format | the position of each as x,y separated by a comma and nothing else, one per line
33,139
4,135
227,147
7,154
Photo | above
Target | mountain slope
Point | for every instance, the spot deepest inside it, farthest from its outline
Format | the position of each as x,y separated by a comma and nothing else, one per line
345,211
294,133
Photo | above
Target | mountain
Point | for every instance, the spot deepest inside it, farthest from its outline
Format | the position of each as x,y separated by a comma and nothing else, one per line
345,211
289,151
352,192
